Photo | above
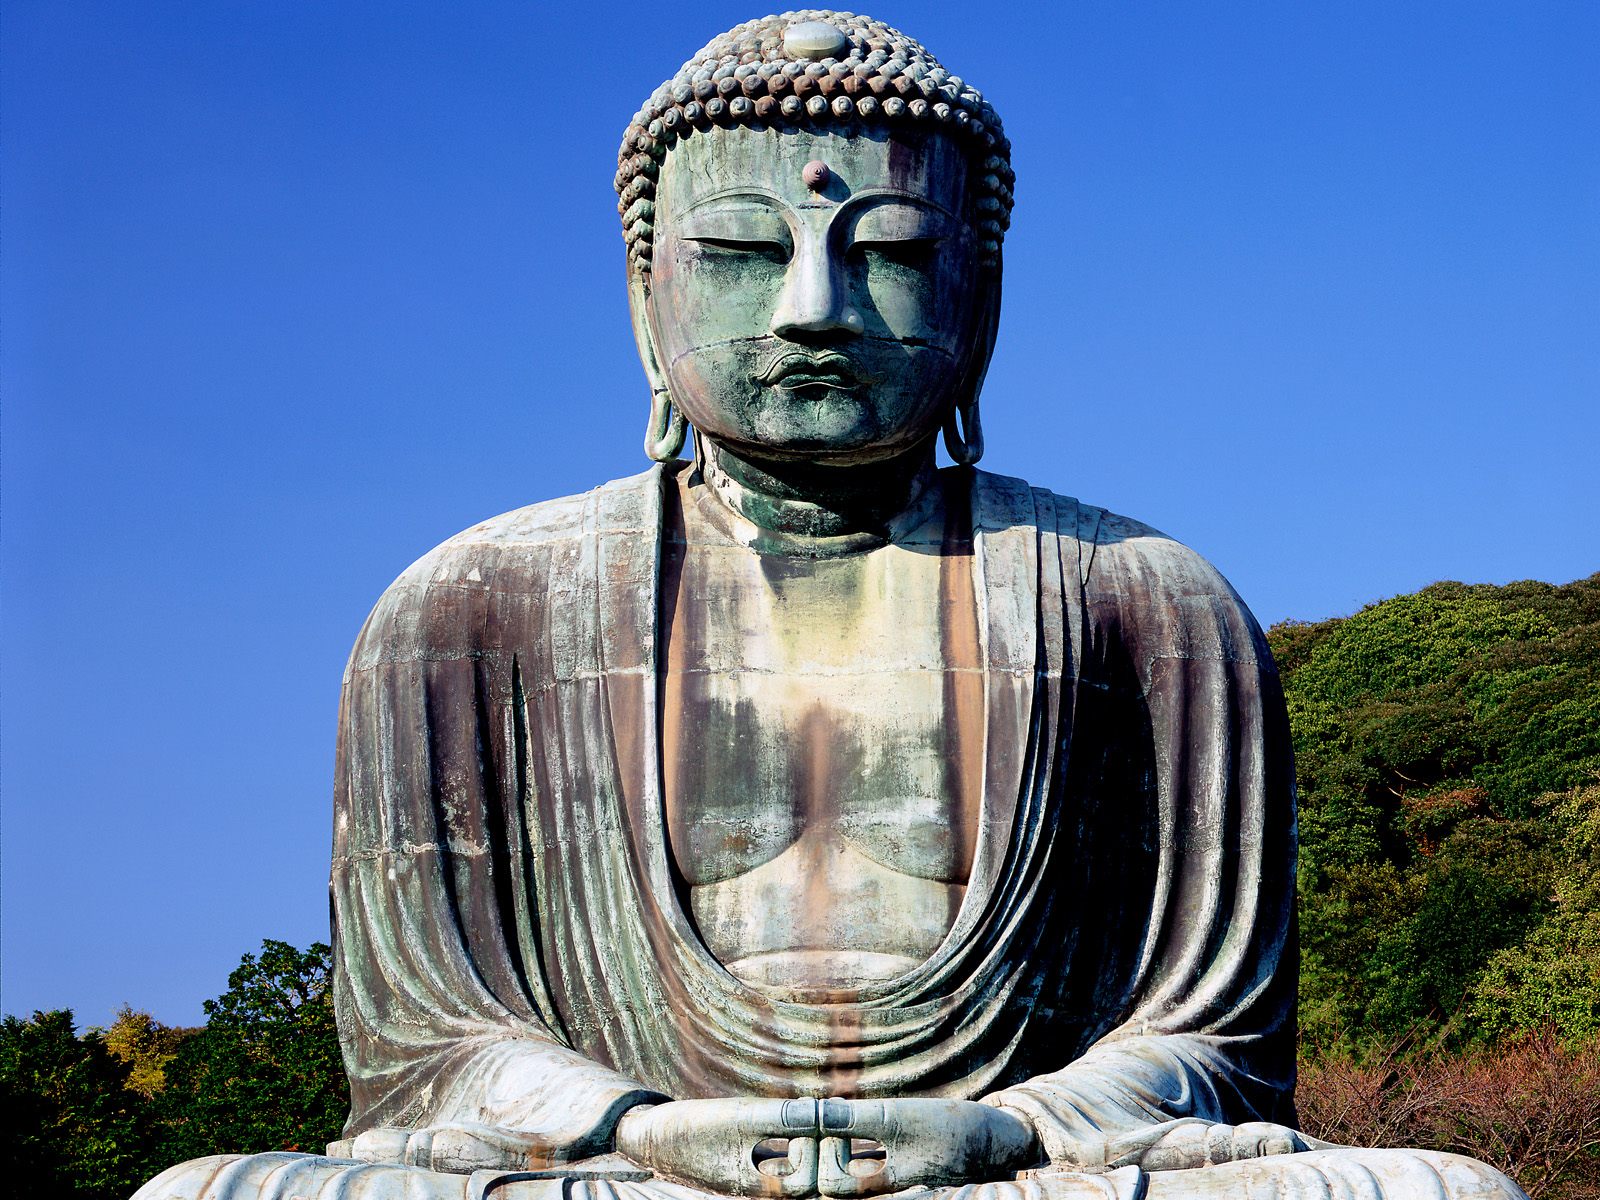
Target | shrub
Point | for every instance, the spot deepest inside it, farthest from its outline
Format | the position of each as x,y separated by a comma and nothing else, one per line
1530,1107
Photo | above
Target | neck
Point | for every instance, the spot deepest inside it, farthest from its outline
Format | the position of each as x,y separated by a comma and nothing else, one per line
807,500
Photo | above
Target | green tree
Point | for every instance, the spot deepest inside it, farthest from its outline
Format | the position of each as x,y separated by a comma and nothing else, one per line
1551,979
1447,745
69,1124
1439,892
145,1046
265,1073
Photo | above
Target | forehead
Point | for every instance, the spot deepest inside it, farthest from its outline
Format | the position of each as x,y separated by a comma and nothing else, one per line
718,161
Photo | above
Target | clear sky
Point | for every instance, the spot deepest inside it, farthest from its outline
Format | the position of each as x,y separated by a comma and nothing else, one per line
293,291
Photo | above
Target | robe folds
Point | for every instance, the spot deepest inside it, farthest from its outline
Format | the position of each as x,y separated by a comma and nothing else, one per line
511,943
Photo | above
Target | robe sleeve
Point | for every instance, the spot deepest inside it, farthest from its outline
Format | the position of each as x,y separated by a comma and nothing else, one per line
443,1014
1201,1023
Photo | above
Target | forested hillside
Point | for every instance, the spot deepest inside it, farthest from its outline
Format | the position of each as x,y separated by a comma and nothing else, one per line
1447,745
1448,753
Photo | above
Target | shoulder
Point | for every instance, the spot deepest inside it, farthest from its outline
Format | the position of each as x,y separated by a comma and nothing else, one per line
537,530
443,597
1167,598
1144,585
1129,554
1110,545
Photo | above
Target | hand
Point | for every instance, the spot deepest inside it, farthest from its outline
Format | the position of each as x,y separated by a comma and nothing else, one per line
1183,1145
924,1142
461,1147
718,1144
835,1148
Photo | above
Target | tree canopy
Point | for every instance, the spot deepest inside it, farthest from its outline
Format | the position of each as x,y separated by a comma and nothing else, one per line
1447,748
70,1126
265,1072
93,1115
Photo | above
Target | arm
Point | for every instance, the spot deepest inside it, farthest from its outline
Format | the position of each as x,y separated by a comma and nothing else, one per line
443,1016
1200,1022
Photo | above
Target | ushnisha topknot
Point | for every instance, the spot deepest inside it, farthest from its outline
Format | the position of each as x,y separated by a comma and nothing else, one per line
808,69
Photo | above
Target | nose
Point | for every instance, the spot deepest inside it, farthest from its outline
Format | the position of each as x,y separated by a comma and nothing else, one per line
815,303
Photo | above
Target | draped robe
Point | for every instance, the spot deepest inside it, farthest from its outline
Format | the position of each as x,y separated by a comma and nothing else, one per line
511,947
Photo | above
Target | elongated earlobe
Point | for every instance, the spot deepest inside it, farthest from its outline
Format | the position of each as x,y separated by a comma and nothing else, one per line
965,446
963,428
663,437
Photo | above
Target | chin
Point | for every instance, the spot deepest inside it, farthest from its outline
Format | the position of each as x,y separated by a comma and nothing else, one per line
841,437
843,429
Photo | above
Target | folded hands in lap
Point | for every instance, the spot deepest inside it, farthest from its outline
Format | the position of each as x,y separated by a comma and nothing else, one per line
834,1148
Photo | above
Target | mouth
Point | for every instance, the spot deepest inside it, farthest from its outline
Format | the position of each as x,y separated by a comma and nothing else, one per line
800,370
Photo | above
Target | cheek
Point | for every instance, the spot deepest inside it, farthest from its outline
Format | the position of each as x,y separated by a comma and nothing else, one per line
702,297
713,384
930,304
717,368
915,380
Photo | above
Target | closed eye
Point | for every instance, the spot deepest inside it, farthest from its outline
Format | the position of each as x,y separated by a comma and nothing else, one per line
776,252
906,252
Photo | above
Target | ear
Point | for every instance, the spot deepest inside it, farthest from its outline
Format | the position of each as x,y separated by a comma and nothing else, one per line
965,445
664,433
643,336
985,328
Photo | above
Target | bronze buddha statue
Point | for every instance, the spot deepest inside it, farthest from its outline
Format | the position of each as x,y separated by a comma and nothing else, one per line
800,818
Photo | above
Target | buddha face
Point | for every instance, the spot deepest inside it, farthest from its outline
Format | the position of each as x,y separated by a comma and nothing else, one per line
814,296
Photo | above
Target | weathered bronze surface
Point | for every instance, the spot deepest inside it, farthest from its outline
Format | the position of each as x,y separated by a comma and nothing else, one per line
801,819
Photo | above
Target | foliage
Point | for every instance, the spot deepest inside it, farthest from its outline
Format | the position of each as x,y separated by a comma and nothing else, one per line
1552,978
265,1072
92,1116
1530,1107
145,1047
69,1124
1447,743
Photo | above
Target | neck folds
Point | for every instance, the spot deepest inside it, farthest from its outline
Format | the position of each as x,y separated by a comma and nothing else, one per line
820,511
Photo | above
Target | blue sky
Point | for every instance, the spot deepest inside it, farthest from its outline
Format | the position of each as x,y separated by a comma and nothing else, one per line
291,292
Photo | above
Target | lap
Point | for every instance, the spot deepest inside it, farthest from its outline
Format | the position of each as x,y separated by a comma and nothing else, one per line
286,1176
1343,1174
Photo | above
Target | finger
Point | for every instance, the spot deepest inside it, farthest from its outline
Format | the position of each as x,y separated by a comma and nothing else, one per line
804,1164
1221,1144
777,1118
952,1139
1177,1146
419,1149
911,1118
382,1145
839,1174
1259,1139
1010,1139
758,1116
791,1174
856,1118
462,1151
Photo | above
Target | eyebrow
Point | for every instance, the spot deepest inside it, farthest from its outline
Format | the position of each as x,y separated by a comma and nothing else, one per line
854,200
858,199
739,192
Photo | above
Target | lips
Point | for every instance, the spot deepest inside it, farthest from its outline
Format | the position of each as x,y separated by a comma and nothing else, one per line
797,369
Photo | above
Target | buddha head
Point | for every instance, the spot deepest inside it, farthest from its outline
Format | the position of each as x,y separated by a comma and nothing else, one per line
814,210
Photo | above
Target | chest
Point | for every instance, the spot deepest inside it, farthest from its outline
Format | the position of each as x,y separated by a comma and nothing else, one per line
836,702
